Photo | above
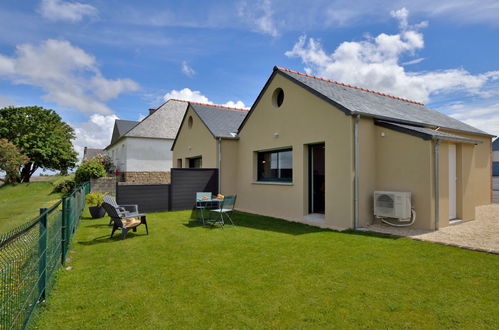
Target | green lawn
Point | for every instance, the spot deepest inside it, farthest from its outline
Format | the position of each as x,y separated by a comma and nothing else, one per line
22,202
267,273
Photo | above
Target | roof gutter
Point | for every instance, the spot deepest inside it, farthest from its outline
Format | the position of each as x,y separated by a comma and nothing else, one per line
219,153
356,156
436,151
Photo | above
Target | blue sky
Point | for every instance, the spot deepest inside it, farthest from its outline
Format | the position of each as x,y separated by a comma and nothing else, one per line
96,60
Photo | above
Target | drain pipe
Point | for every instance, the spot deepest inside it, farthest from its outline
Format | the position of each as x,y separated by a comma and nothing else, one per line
356,172
437,184
219,164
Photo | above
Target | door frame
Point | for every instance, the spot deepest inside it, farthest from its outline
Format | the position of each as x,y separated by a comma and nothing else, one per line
452,168
311,176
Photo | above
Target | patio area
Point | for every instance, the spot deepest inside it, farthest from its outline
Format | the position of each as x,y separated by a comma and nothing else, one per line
266,273
482,234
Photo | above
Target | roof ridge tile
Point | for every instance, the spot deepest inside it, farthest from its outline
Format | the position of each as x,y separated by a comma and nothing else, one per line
213,105
347,85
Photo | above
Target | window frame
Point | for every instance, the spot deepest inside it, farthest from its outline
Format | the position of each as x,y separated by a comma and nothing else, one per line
191,160
284,180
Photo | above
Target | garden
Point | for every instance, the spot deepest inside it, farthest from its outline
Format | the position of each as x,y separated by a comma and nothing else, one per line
266,273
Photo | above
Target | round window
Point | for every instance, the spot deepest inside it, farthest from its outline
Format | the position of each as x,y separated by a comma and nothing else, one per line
278,97
189,122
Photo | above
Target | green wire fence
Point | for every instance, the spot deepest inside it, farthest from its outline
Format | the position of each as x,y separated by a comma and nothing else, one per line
31,254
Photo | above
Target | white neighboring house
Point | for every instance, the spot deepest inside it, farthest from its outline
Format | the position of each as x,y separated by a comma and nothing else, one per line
141,150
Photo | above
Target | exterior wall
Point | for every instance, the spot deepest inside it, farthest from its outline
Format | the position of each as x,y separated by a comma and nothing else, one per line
142,155
118,154
194,142
402,162
228,170
368,167
405,163
302,119
147,177
104,185
148,155
474,181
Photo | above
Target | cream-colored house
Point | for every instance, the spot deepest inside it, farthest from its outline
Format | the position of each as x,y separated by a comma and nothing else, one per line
207,138
315,151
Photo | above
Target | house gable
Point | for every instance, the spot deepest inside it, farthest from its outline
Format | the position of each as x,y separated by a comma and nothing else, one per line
303,119
194,141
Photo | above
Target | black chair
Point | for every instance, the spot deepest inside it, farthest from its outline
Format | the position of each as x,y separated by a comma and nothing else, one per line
124,217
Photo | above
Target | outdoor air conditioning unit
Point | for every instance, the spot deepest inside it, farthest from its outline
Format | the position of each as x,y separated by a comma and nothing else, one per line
392,204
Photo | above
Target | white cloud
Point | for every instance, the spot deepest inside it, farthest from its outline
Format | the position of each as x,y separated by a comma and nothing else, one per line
6,101
458,11
238,104
484,117
70,11
68,75
187,70
187,94
259,15
374,63
415,61
95,133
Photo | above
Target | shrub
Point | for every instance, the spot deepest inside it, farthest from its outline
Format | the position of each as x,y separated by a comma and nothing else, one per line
64,186
95,199
91,169
106,161
11,159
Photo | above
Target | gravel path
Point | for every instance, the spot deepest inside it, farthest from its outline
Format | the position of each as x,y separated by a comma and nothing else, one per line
480,234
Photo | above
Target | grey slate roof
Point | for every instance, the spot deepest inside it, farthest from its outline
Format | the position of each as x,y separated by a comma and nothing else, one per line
89,153
163,123
424,132
495,145
220,121
357,101
120,128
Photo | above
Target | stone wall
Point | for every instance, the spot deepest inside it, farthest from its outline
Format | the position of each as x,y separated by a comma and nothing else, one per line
147,177
104,185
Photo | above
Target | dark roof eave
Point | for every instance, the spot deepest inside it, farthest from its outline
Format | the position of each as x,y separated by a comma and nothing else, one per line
363,114
425,136
457,139
227,137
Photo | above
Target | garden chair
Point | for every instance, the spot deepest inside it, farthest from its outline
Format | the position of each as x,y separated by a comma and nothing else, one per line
202,199
226,207
124,217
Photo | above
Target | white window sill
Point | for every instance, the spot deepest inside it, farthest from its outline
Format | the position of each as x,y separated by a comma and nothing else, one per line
274,183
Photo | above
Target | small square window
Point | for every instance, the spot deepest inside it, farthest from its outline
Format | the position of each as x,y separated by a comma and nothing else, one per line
276,165
196,162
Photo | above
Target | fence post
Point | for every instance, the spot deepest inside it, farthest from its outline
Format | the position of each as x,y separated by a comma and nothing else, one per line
64,228
42,262
69,227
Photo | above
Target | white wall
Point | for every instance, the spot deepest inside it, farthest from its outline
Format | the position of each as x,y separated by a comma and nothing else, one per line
142,155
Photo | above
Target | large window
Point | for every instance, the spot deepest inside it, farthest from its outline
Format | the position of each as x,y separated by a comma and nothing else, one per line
196,162
276,165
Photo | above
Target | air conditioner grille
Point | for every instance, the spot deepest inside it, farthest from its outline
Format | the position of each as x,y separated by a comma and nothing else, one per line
385,201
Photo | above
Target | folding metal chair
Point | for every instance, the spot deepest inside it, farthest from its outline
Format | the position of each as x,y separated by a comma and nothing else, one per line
202,201
225,208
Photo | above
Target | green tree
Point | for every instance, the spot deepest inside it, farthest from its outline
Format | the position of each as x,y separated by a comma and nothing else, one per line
11,160
41,135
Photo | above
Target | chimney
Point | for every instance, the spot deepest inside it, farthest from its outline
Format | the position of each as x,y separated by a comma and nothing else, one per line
151,111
